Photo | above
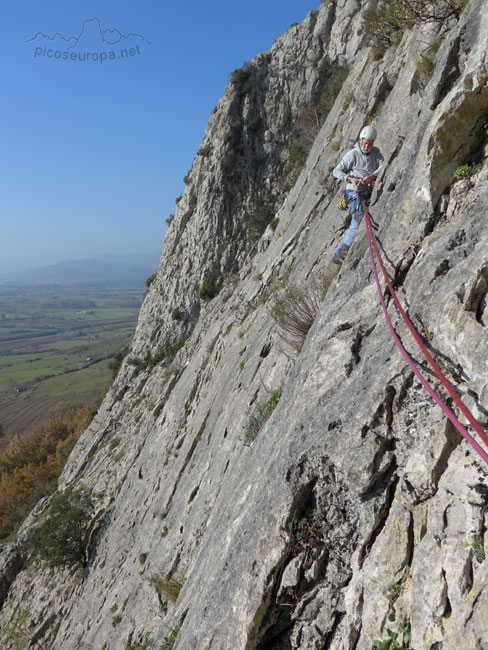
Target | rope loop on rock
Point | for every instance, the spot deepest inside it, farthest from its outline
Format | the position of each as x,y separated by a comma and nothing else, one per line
462,430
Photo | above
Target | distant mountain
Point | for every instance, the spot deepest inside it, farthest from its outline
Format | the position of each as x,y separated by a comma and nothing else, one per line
95,271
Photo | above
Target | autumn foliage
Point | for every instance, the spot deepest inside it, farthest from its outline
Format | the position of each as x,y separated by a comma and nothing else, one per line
30,463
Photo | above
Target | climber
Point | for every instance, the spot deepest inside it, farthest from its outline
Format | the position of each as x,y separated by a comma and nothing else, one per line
359,168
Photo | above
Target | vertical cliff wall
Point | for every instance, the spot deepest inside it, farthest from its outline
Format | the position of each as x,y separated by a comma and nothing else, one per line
355,507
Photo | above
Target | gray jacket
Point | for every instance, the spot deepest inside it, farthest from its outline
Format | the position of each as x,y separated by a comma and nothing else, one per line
358,164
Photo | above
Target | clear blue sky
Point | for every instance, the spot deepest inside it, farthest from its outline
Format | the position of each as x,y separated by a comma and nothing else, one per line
93,153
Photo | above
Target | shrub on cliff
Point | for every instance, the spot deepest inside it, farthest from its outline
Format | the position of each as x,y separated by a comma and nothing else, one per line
116,361
209,289
384,18
260,215
244,79
334,75
166,355
294,311
151,278
60,540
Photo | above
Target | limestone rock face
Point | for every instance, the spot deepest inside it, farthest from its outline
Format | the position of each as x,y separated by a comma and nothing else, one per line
352,510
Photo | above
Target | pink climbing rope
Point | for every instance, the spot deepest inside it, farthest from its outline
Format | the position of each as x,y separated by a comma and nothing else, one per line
449,387
462,430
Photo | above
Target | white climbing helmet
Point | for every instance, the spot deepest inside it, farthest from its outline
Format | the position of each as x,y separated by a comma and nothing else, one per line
368,132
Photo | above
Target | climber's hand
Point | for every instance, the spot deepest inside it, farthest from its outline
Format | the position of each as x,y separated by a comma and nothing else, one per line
367,180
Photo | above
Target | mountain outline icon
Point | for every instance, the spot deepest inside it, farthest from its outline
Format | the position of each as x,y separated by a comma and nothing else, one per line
91,26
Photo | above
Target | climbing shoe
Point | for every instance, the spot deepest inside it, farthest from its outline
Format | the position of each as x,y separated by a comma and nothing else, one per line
339,258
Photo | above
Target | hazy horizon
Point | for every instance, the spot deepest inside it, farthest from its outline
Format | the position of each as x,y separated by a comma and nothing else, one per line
143,260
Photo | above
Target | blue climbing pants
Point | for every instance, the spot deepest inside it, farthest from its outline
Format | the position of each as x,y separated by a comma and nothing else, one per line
357,205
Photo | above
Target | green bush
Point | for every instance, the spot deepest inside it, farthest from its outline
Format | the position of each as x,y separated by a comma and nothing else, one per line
334,75
206,151
63,451
254,126
150,279
209,289
274,223
176,314
168,354
60,539
260,215
116,361
297,153
243,79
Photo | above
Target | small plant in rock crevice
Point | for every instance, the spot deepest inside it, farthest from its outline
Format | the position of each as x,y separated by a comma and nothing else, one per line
395,590
463,171
392,640
308,536
262,414
168,586
171,638
478,550
144,644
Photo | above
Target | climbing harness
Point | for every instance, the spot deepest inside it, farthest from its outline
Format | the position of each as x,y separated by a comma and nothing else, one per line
467,413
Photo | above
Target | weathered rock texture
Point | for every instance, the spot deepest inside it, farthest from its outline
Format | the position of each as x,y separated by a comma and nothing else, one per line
358,507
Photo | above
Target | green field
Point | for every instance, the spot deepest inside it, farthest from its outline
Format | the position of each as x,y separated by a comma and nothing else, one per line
55,347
